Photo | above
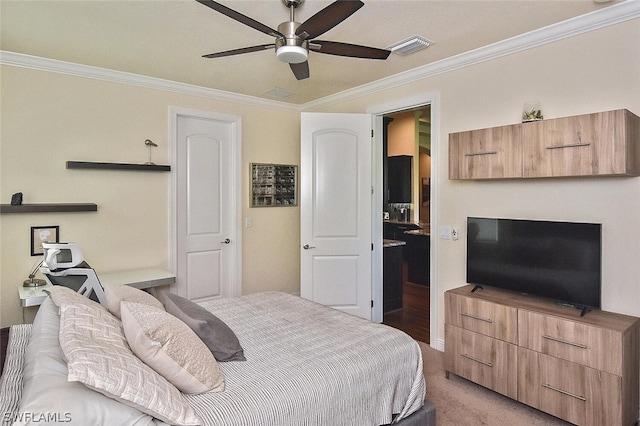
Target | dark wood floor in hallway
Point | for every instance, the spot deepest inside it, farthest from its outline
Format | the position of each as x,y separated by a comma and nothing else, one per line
413,318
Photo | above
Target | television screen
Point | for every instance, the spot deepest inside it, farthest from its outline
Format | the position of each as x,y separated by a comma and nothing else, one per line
558,260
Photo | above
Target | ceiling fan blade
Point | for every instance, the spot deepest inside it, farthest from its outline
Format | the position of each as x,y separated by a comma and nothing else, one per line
240,17
346,49
300,70
327,18
240,51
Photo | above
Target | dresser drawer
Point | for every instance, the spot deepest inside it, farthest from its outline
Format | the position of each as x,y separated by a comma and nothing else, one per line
573,392
489,362
488,318
577,342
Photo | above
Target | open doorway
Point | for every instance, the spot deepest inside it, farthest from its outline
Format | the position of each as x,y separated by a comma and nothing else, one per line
407,221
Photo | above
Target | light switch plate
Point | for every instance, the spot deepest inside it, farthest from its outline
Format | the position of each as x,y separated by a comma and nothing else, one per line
444,232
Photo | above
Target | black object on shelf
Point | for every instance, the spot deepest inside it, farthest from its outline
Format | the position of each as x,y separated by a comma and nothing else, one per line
117,166
399,178
49,208
16,199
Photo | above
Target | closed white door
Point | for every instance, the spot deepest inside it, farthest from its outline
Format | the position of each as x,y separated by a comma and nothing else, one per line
207,235
335,210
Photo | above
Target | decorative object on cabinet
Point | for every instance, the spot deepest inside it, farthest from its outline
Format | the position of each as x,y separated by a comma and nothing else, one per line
117,166
581,369
274,185
531,111
597,144
49,208
41,234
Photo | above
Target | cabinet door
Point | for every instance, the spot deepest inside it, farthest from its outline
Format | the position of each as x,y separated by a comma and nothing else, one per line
575,393
584,145
399,178
492,153
489,362
481,316
584,344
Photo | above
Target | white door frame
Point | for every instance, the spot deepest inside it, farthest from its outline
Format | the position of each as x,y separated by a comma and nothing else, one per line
236,196
415,101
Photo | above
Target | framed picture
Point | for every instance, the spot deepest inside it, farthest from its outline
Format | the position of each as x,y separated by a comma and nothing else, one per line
40,234
274,185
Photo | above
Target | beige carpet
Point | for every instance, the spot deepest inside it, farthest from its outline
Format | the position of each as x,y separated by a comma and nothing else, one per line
460,402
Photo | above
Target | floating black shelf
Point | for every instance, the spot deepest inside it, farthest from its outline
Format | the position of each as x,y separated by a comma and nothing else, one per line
117,166
49,208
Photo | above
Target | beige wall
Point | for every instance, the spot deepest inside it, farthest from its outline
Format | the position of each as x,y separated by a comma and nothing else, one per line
402,135
597,71
48,119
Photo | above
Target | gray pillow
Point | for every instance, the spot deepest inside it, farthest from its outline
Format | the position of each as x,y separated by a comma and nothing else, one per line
219,338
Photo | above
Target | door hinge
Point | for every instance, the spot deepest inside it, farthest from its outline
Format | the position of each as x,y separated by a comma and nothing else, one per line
371,246
371,132
372,303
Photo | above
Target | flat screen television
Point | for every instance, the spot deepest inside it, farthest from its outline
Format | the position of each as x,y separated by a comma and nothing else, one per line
557,260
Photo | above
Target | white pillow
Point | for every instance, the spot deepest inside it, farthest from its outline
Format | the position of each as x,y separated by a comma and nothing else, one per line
47,390
171,348
116,293
98,355
61,294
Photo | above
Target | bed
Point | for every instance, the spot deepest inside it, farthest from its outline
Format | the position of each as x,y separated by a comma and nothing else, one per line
301,364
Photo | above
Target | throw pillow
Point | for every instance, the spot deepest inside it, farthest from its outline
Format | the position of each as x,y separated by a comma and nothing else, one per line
97,353
170,347
116,293
217,335
61,295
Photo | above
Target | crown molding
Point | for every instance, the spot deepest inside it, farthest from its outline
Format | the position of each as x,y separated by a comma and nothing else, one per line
615,14
86,71
611,15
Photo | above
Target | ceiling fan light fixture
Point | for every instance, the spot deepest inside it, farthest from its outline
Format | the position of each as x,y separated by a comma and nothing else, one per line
292,54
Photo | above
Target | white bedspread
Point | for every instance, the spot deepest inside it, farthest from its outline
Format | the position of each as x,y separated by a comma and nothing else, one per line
308,364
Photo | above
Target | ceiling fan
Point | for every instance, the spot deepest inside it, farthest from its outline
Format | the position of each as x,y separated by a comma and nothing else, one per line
294,40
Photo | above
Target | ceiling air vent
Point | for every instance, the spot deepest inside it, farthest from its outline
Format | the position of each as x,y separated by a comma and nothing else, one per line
410,45
279,93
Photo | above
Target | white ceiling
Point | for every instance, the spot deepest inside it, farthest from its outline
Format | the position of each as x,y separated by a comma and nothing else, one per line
166,38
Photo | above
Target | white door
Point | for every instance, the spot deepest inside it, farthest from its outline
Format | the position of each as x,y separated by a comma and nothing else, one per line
335,210
207,235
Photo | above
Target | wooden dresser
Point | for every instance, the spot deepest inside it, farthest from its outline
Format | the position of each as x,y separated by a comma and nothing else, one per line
583,369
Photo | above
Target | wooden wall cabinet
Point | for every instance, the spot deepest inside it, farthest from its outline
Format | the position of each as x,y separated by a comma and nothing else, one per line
494,153
604,143
598,144
581,369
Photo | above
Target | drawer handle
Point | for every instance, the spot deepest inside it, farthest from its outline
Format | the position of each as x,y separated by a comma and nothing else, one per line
566,342
489,320
488,364
569,145
475,154
581,398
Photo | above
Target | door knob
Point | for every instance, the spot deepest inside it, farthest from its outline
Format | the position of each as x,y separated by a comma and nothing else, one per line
226,241
307,247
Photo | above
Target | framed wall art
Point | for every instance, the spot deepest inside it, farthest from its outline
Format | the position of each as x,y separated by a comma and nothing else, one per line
40,234
274,185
